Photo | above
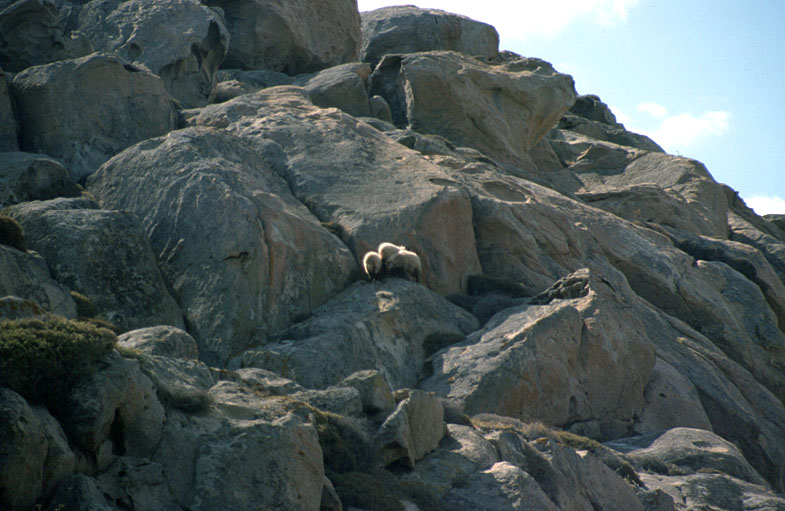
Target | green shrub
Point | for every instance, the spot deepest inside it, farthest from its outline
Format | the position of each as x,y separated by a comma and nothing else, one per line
43,359
11,233
85,308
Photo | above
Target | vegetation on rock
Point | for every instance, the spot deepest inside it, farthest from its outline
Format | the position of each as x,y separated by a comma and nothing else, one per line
11,233
42,359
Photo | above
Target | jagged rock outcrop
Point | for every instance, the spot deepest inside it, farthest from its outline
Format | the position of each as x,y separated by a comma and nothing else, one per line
103,255
181,41
480,95
240,270
409,29
294,37
110,105
388,326
35,32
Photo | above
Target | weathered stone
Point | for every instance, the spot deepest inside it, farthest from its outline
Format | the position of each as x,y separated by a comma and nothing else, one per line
23,448
412,430
236,82
35,32
714,491
462,452
744,231
374,390
368,326
179,383
248,453
241,255
344,401
580,353
365,186
502,487
117,404
690,450
26,177
501,110
266,382
60,460
9,127
341,87
81,493
182,41
103,255
670,400
167,341
295,37
25,275
409,29
602,167
109,106
135,483
380,109
614,133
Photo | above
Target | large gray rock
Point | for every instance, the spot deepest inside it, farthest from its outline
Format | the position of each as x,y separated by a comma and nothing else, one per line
595,373
35,32
772,247
247,453
297,36
413,430
9,127
182,41
114,412
241,255
341,87
60,460
103,255
691,450
502,110
25,275
26,177
409,29
23,447
605,171
84,111
380,326
363,185
166,341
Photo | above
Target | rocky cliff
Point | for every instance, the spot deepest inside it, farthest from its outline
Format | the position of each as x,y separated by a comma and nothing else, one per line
188,191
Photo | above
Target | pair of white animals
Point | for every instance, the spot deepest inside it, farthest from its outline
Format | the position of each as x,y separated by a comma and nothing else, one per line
392,260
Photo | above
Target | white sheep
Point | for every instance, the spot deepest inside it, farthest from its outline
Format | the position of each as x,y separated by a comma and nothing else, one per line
387,250
372,264
404,262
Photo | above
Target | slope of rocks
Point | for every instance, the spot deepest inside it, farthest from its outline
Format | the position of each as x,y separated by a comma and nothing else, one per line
599,324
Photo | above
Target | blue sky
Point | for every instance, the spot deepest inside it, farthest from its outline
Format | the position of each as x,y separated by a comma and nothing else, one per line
704,78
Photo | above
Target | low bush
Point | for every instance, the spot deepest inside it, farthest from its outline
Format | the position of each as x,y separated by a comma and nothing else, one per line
11,233
43,359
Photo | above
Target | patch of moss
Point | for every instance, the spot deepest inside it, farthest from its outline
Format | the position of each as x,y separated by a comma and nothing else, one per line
43,359
85,308
11,233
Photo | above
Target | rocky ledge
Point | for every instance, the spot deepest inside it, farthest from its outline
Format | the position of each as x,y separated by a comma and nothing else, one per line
189,190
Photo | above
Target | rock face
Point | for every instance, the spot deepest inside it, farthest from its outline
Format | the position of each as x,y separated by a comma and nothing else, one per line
28,177
35,32
579,285
120,106
182,41
242,269
417,87
408,29
293,37
104,256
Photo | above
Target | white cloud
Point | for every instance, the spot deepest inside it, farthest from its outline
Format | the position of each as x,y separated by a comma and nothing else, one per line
678,132
517,20
765,205
654,109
